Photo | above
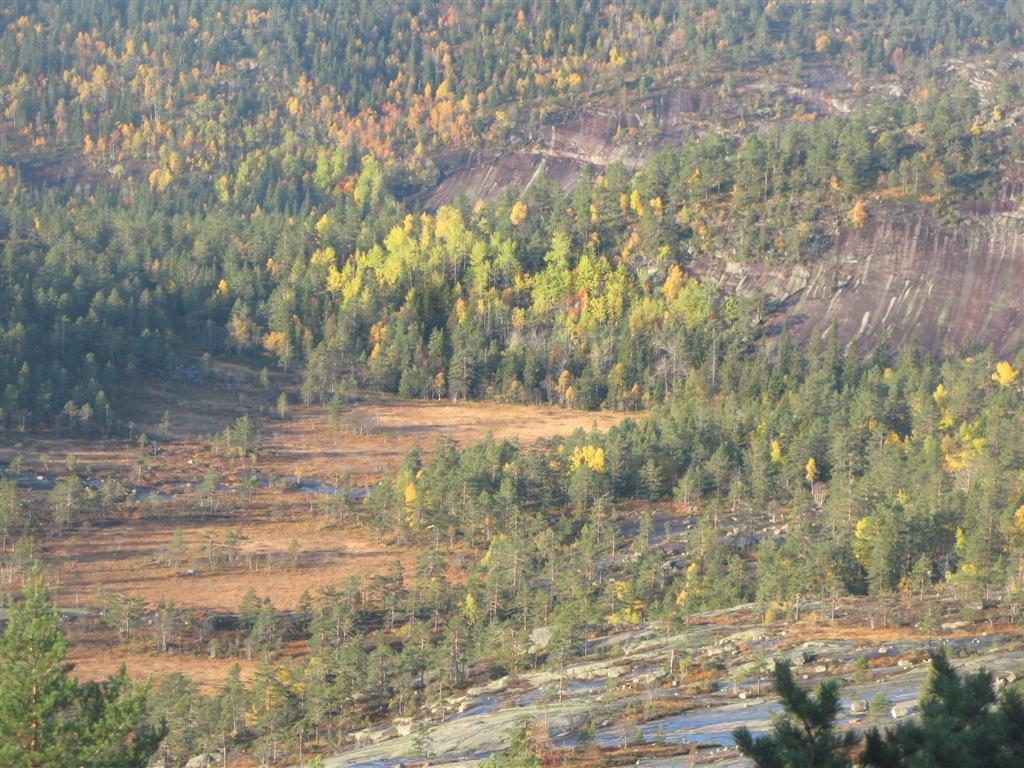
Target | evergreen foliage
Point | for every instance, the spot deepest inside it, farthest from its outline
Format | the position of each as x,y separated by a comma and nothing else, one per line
49,720
962,723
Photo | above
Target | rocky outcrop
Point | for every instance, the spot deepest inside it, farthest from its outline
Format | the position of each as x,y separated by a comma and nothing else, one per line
597,130
945,287
586,137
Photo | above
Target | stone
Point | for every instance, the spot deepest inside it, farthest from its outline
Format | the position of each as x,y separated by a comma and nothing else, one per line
540,639
362,738
203,761
1003,679
902,710
388,733
859,706
495,686
904,664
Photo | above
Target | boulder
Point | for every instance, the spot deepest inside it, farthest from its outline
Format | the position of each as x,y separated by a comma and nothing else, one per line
540,639
362,738
902,710
203,761
480,690
1002,680
388,733
859,706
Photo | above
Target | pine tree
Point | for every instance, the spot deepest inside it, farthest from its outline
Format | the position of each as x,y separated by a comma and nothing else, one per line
47,720
36,684
520,753
805,736
961,725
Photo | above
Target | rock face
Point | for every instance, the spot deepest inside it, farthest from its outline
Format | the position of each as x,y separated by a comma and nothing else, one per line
947,288
587,137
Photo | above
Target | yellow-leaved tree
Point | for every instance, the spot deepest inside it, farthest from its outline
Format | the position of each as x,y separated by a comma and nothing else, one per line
858,214
470,610
1005,374
518,213
591,456
864,537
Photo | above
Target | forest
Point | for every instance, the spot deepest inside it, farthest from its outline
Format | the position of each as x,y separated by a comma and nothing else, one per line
186,183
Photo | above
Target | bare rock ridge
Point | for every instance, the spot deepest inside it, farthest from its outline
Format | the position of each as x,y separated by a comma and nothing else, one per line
946,287
591,136
564,147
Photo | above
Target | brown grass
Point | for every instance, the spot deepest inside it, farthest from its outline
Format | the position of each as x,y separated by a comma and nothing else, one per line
127,556
96,662
307,444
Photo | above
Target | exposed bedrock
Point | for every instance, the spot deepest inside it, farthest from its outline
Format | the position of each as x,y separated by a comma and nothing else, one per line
566,145
947,288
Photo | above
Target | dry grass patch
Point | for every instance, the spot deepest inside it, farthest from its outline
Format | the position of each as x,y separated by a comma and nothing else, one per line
127,558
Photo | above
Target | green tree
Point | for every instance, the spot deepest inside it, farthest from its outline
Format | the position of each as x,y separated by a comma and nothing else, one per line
66,500
48,720
961,725
805,736
520,752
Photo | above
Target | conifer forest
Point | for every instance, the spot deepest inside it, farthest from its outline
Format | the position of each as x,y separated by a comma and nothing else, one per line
512,383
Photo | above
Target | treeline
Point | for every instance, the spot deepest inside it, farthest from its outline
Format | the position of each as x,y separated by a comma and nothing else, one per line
251,202
886,475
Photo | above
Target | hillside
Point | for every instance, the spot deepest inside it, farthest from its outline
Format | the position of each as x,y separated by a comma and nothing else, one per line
411,381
